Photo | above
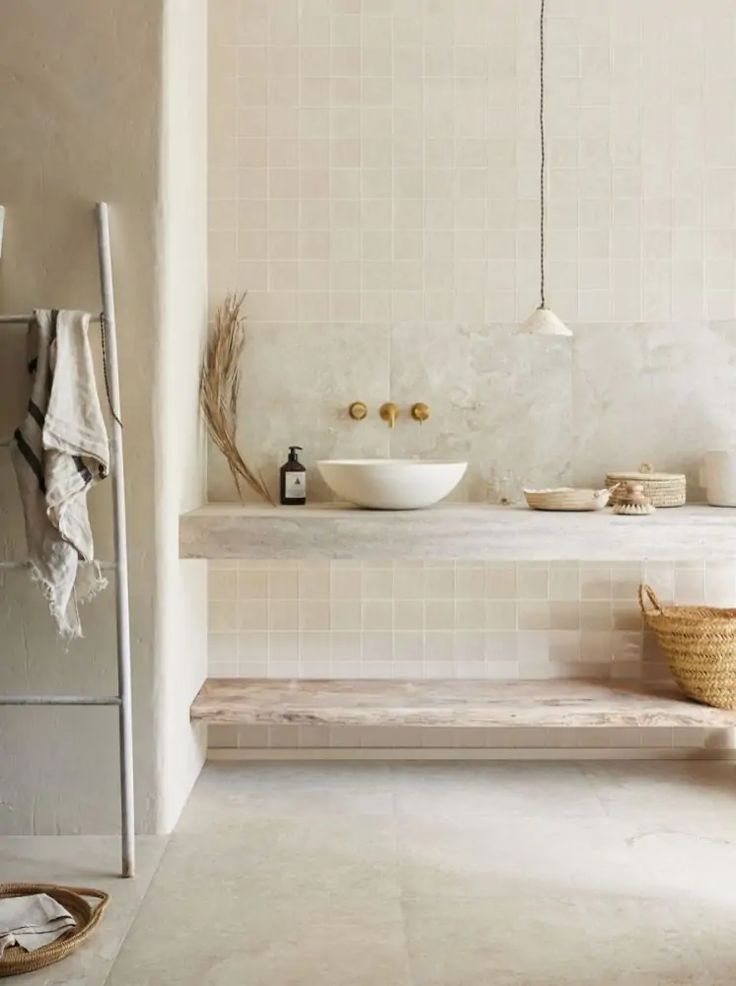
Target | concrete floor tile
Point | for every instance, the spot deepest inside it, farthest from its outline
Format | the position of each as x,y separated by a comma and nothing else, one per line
229,795
264,939
476,856
698,798
495,790
489,857
559,941
284,856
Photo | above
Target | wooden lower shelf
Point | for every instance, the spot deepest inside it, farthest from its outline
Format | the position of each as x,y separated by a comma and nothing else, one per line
344,702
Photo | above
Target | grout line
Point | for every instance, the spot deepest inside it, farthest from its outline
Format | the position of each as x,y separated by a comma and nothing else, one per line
139,906
428,753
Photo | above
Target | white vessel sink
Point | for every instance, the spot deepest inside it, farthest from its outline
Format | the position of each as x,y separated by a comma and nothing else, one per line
391,484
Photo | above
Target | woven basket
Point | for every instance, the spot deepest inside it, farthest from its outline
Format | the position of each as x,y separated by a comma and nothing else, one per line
16,961
567,498
700,644
664,489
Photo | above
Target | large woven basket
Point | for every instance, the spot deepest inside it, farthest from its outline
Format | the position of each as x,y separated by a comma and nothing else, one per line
16,961
700,644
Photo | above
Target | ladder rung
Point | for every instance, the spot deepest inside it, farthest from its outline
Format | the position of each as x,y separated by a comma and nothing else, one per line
59,700
28,317
106,566
6,442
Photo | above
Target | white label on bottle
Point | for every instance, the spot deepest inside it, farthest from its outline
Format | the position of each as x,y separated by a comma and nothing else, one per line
295,485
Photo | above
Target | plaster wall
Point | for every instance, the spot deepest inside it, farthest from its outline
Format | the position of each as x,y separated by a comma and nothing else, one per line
89,112
180,460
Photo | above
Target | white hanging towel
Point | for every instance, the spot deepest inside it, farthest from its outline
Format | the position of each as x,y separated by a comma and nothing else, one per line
59,452
32,921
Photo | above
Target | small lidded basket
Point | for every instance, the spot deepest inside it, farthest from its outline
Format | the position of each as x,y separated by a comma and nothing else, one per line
663,489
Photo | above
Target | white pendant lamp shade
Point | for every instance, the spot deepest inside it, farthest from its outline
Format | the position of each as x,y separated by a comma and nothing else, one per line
544,322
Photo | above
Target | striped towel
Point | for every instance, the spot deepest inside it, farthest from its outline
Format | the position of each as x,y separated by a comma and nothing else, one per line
59,452
32,921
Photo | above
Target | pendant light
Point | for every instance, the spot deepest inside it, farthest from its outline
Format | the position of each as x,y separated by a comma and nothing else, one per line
543,321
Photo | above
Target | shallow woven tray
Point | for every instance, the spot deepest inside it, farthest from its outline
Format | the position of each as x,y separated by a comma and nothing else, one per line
16,961
567,498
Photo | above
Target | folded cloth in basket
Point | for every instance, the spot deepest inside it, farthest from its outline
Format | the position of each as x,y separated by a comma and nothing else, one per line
32,921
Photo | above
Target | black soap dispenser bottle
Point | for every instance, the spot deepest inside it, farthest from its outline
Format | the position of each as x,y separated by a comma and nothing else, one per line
293,479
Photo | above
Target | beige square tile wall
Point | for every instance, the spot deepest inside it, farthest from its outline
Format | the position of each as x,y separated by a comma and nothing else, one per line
374,186
466,620
444,620
377,160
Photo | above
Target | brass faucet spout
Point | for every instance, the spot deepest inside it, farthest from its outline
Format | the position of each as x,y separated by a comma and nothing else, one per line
388,412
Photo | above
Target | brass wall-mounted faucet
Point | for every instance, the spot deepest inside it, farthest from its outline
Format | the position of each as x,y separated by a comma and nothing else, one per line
388,412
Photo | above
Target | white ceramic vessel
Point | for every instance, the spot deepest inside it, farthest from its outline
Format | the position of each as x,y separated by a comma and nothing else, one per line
391,484
718,476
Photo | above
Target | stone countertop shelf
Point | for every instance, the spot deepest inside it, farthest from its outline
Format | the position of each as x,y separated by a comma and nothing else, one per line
450,703
456,531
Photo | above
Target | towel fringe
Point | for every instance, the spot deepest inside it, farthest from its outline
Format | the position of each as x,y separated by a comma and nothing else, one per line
96,585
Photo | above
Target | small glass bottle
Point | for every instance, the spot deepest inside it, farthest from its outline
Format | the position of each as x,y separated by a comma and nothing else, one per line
507,488
492,487
293,485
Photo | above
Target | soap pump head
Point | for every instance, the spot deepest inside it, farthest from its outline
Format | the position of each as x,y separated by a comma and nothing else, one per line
293,450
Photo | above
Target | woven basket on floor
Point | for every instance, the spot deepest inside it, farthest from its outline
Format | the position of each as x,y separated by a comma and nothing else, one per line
700,644
16,961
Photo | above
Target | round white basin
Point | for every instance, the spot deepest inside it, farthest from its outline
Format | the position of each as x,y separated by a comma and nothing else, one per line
391,484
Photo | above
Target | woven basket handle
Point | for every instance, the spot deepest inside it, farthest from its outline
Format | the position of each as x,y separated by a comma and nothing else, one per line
100,895
647,593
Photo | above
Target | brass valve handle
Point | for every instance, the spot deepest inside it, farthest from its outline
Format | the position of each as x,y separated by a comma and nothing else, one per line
388,413
420,412
358,410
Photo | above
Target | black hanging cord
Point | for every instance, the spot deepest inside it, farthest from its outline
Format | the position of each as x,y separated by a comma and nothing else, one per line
541,147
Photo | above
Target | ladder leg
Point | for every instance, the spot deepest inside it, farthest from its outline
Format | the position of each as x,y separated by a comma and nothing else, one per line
121,557
127,820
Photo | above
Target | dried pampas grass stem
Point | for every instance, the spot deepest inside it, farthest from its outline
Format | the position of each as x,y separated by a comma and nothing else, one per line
219,388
